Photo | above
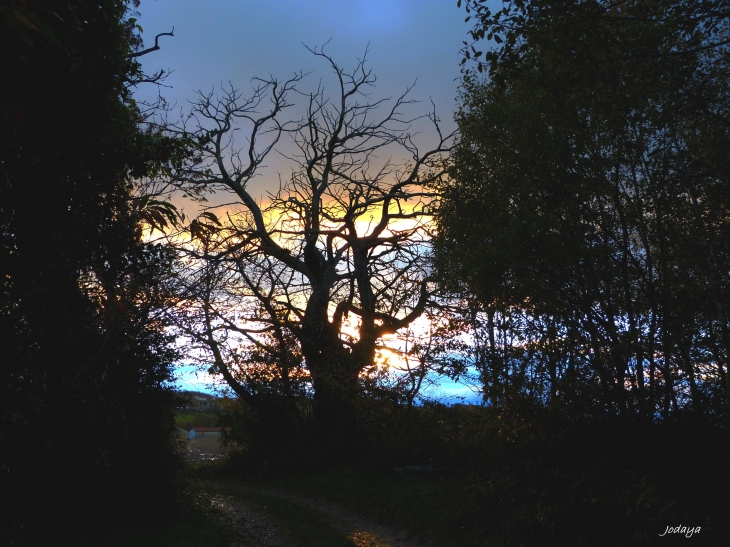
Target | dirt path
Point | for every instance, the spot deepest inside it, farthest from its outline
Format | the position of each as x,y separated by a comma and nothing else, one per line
252,529
361,531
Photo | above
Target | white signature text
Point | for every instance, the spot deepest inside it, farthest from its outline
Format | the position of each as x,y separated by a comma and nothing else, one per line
685,530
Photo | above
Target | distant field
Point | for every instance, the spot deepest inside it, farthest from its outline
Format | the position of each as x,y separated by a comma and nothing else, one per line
203,450
188,420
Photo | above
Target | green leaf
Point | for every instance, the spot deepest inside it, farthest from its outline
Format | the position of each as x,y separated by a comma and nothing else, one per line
210,216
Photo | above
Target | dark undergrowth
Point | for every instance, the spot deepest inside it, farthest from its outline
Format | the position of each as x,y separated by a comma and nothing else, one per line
197,525
472,476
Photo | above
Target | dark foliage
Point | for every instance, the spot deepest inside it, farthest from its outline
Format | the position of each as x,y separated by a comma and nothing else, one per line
266,442
520,474
539,477
87,418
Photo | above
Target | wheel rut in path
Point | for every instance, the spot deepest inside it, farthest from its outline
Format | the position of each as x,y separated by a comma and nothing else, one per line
251,527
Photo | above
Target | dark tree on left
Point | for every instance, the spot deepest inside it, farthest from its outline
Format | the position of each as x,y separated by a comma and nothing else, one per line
86,423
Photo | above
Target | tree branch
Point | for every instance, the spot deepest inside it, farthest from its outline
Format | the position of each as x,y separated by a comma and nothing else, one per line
153,48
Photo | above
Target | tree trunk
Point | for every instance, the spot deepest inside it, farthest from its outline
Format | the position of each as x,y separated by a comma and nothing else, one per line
336,390
335,373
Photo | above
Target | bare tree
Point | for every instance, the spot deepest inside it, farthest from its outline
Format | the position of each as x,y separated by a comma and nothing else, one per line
331,262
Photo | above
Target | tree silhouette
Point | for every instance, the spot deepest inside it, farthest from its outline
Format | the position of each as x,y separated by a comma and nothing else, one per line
336,258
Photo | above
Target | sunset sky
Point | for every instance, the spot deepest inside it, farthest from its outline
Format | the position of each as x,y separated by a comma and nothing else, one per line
222,41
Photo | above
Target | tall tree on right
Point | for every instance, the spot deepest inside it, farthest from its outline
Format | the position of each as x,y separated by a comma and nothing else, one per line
588,213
